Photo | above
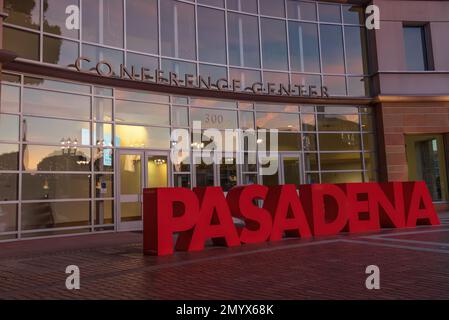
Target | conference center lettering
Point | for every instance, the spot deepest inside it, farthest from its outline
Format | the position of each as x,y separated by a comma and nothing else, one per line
319,210
106,69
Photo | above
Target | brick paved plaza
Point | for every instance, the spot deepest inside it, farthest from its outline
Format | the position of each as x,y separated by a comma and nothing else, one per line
413,265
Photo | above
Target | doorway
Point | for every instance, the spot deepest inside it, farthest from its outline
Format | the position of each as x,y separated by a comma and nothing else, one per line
427,162
138,170
289,171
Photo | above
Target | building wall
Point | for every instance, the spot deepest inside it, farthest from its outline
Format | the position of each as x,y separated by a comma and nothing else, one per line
391,75
409,102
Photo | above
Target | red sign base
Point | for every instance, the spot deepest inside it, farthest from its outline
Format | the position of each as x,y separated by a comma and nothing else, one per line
319,210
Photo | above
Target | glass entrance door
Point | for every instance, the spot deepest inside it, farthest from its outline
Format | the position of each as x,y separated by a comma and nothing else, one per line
138,170
426,159
289,170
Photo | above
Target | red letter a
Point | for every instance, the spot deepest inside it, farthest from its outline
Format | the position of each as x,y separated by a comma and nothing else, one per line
214,221
288,214
420,210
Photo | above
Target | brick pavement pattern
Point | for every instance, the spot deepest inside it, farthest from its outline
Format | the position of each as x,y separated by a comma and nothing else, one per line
413,265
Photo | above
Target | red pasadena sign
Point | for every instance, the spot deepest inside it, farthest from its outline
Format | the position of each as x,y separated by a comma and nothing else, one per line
319,210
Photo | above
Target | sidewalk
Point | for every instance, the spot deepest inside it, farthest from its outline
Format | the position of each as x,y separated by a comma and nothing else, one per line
414,263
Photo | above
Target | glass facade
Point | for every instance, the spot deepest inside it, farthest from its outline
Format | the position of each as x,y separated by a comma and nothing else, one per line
74,157
60,142
282,41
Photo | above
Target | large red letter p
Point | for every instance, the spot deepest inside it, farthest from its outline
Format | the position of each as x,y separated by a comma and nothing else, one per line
165,212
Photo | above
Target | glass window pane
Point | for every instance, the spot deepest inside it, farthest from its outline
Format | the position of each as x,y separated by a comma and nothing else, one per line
23,13
339,141
103,159
368,123
246,77
141,96
10,78
337,109
289,141
100,91
355,50
51,158
56,85
178,29
249,179
329,12
274,44
280,121
308,122
204,102
104,186
142,13
353,14
103,134
341,161
270,180
336,85
9,157
330,122
306,80
8,217
214,3
370,161
304,49
55,104
214,118
369,142
301,10
291,171
214,72
102,109
139,61
211,35
341,177
9,127
180,116
277,107
243,40
55,18
242,5
55,186
228,174
415,48
358,86
8,186
56,131
312,178
142,137
96,54
311,162
25,44
103,22
130,211
104,212
10,98
246,120
143,113
204,174
276,78
179,67
59,51
332,49
272,8
49,215
309,142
